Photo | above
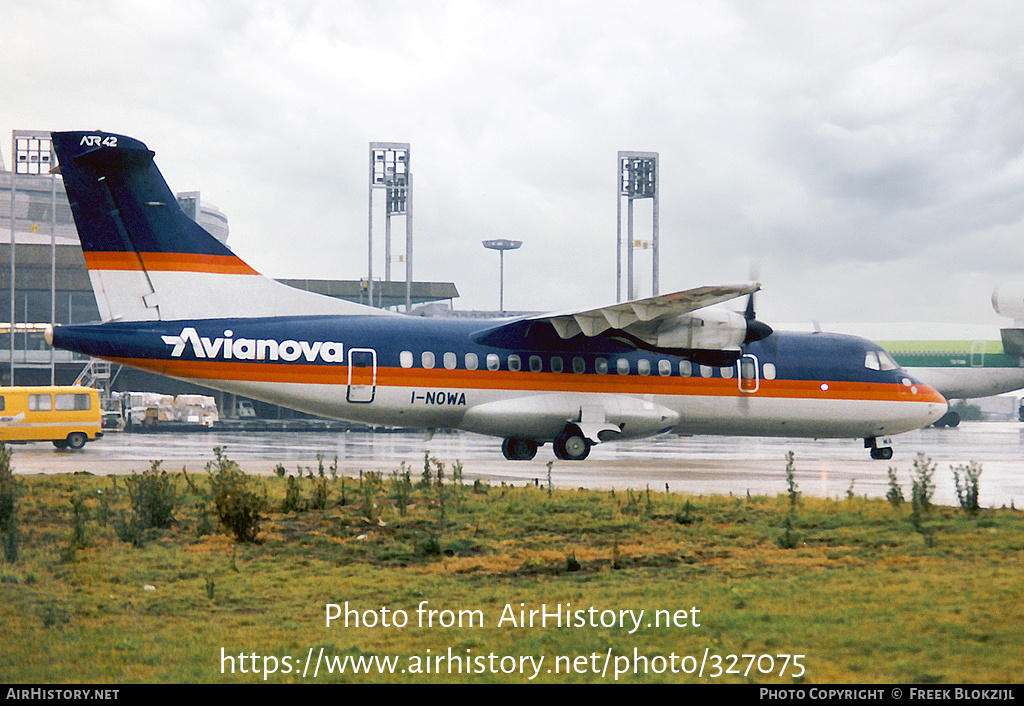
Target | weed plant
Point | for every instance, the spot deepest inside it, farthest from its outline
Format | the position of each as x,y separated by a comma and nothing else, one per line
8,506
967,479
895,492
240,500
154,497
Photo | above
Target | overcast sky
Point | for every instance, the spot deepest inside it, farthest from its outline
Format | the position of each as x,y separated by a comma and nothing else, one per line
869,156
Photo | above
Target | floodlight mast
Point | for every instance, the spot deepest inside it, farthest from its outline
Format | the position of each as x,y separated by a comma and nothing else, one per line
501,245
638,179
389,170
32,153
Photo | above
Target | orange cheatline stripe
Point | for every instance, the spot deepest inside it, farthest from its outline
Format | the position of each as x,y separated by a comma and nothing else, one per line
531,382
167,262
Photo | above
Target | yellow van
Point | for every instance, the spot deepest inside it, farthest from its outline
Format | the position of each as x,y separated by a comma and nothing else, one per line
67,416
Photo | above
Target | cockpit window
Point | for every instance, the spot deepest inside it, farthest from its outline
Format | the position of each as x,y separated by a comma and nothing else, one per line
886,361
879,360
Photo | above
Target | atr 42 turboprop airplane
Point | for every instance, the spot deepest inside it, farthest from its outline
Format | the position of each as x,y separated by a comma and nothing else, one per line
176,301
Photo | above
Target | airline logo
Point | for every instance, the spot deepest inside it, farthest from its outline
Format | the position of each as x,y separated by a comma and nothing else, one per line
228,347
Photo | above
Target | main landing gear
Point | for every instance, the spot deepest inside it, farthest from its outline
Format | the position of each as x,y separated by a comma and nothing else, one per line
516,449
569,445
878,453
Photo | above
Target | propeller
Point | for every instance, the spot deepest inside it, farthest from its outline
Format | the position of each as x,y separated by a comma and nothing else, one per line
756,330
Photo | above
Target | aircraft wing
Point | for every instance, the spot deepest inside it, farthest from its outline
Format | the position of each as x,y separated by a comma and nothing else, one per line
593,322
672,323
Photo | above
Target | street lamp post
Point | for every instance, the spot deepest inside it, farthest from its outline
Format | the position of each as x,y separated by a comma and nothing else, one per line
501,245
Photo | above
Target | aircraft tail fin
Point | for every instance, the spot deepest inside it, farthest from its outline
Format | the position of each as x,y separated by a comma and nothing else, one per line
147,260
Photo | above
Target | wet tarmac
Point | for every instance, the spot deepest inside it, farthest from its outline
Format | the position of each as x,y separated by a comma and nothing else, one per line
698,465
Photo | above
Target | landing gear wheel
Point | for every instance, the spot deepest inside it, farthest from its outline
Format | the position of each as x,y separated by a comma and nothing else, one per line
76,440
516,449
882,453
571,446
878,453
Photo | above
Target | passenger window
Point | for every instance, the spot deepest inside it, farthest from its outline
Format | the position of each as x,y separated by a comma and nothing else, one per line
664,368
579,366
535,364
556,364
622,366
493,362
40,403
450,361
601,366
427,359
685,369
472,362
514,363
768,372
726,372
643,366
706,371
405,359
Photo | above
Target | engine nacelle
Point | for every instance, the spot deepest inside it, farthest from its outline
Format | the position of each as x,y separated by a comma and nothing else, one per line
709,329
1008,300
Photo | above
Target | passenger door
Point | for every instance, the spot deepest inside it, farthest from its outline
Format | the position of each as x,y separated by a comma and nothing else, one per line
362,375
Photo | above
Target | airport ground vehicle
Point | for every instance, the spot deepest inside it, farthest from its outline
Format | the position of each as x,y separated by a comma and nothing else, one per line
67,416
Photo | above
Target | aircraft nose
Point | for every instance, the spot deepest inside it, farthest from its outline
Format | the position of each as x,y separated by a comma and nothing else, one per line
933,405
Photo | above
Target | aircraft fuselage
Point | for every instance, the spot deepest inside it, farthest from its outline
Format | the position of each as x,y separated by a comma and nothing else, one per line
424,372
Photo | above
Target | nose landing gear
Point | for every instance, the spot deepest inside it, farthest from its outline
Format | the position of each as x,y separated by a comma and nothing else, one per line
878,453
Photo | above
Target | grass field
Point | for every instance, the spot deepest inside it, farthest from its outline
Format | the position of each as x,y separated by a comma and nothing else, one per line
438,578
